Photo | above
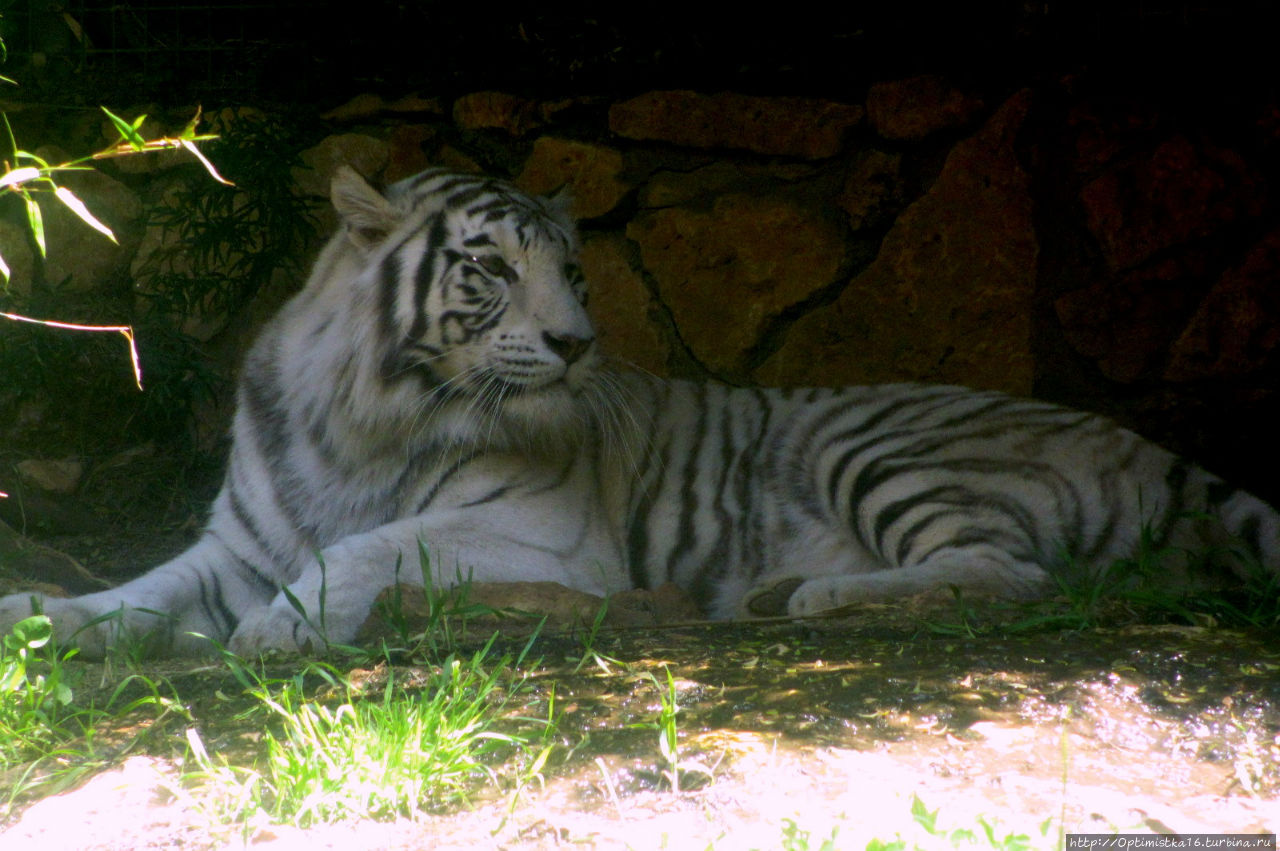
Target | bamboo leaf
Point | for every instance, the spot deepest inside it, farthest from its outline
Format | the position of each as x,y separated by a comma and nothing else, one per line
128,131
208,166
19,176
75,205
189,132
4,269
40,162
36,221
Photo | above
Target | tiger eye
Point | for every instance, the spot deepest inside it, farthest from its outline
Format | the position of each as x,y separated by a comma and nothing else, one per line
496,266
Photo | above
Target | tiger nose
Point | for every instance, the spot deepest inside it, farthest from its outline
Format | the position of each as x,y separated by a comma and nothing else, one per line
567,346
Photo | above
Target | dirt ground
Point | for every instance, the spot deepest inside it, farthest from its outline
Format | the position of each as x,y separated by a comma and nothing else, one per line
803,734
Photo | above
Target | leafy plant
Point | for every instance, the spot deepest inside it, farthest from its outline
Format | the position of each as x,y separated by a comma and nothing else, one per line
222,248
47,740
985,834
795,838
35,697
30,173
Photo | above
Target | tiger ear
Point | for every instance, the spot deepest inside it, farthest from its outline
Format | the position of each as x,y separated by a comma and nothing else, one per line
560,202
367,215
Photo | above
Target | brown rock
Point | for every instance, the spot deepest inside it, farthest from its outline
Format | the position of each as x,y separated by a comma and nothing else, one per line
451,157
52,475
80,258
405,154
1180,191
364,106
366,154
948,298
590,171
873,189
1237,327
519,608
225,119
52,570
640,607
497,111
163,250
783,126
726,272
416,103
914,108
621,306
669,188
514,608
1104,130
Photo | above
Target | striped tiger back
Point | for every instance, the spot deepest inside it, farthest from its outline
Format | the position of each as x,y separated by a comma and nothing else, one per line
437,385
875,493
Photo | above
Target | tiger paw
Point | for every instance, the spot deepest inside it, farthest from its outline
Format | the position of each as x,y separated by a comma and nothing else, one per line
772,600
276,628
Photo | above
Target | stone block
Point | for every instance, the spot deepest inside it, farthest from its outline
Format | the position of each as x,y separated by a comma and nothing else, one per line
621,306
917,107
809,128
366,154
725,272
948,298
591,172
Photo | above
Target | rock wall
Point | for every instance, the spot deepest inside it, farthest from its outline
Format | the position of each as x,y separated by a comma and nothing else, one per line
1056,239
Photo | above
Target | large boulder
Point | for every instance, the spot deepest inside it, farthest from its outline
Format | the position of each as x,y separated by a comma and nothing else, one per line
948,298
727,270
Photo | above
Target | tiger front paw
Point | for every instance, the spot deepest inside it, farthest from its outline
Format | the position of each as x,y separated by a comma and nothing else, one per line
276,628
772,599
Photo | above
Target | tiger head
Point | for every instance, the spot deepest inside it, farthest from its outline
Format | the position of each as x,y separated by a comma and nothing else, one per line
477,291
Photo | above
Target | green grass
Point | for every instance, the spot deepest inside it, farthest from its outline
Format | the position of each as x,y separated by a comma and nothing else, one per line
669,732
329,750
343,754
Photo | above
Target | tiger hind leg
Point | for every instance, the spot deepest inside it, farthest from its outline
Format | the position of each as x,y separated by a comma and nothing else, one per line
980,574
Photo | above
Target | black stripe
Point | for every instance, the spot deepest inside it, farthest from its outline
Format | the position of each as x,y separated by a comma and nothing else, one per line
958,500
444,478
214,606
424,277
388,289
638,541
867,426
984,536
751,532
247,570
248,523
687,534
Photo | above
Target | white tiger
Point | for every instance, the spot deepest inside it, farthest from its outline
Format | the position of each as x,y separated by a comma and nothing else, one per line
437,383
